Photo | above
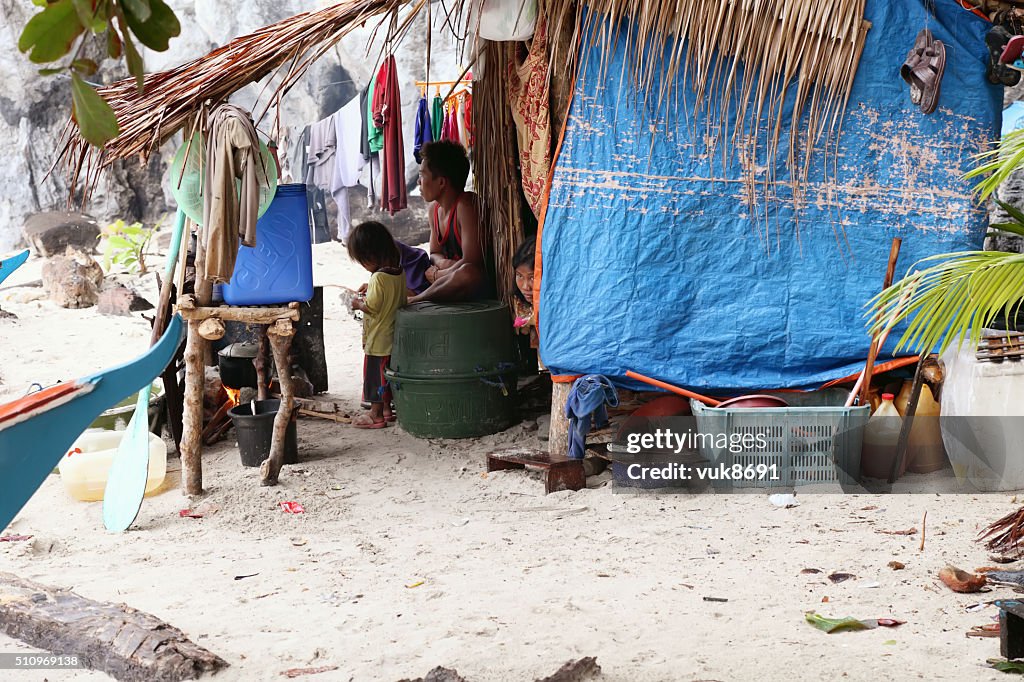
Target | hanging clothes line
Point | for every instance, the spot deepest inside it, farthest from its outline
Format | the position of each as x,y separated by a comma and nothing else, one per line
429,83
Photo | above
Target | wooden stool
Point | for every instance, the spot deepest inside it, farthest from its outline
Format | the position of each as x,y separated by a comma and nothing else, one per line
560,472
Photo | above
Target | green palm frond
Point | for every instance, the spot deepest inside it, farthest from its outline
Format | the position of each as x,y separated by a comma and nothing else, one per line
954,298
998,163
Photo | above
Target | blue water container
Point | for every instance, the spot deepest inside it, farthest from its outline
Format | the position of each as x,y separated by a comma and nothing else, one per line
279,269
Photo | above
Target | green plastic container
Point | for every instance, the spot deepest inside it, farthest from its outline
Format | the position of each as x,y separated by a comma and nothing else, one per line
116,418
453,369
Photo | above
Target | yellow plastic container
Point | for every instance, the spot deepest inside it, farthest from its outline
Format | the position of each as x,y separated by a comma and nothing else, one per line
85,467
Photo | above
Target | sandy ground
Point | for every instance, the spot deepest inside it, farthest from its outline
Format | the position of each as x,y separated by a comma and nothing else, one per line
409,556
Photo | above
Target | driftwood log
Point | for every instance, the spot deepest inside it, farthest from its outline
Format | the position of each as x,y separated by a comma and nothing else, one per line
116,639
280,335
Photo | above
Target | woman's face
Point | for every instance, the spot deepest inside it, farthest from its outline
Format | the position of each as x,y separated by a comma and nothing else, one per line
524,282
430,184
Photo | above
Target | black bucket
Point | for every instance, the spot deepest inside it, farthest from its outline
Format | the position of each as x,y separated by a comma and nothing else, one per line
255,432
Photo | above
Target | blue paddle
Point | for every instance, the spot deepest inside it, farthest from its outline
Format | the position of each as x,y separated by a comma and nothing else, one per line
126,483
9,265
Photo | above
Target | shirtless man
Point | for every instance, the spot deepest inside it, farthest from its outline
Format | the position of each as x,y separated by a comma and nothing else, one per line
457,263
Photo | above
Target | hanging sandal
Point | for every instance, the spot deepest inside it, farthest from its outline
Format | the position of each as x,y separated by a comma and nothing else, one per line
915,58
928,76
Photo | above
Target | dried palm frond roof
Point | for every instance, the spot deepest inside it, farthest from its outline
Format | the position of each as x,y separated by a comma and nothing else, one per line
170,98
816,42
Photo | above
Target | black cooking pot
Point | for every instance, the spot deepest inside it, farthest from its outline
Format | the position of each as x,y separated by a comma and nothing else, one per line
236,366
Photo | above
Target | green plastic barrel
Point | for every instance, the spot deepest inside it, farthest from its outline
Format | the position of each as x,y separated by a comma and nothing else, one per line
453,369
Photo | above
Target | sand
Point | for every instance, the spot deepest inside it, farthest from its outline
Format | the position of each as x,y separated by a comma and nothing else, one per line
410,556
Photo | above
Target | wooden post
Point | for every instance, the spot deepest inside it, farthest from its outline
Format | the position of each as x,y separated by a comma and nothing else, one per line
196,348
192,419
869,367
262,370
558,434
280,335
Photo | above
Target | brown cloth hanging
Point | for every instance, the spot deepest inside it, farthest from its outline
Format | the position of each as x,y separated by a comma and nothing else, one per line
233,152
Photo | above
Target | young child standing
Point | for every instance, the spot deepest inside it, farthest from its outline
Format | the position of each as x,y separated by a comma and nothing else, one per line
372,246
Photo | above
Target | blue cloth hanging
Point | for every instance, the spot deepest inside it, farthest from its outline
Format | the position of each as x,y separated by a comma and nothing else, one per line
586,404
424,130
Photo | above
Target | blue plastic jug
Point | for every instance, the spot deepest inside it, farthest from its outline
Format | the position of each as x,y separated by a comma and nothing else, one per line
279,269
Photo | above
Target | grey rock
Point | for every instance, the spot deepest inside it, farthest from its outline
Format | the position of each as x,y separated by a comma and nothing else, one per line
72,280
50,233
120,300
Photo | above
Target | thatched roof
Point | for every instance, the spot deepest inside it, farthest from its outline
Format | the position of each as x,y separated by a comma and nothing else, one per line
816,42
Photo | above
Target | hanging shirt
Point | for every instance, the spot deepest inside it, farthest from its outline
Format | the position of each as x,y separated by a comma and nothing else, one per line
375,136
323,140
364,118
348,161
424,131
387,113
460,120
437,116
467,105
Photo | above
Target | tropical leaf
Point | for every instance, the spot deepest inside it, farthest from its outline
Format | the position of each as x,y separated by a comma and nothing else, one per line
95,118
139,8
1014,212
1012,228
93,18
86,67
157,28
51,33
997,164
956,297
113,44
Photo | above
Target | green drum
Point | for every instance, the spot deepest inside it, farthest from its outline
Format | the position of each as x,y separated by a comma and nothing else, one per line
453,369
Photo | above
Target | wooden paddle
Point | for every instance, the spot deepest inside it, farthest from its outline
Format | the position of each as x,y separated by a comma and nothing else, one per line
126,482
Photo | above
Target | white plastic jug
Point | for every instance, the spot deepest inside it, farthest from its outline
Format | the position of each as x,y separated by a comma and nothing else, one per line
84,468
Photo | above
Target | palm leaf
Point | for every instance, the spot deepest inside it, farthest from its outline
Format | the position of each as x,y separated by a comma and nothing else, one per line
997,164
954,298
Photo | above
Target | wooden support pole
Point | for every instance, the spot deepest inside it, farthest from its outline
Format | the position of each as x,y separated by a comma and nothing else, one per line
280,335
191,311
192,419
262,368
869,367
558,434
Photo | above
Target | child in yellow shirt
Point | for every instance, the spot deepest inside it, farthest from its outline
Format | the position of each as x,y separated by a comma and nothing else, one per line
372,246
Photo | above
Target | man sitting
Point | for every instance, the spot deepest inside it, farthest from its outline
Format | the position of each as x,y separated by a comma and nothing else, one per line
457,262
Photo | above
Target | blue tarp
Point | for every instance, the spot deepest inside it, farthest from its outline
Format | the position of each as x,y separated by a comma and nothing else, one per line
653,262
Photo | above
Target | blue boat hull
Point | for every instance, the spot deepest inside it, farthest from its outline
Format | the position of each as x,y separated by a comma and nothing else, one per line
31,448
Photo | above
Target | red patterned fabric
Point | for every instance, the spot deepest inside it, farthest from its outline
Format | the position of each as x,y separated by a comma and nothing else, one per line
528,97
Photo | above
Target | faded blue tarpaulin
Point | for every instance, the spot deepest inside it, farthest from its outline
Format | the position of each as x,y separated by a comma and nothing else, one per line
653,261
